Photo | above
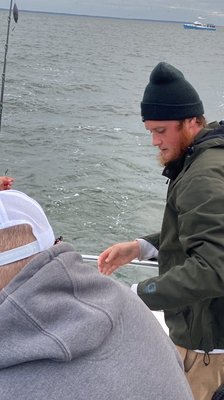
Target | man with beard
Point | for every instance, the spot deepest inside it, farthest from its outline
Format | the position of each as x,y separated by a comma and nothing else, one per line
190,246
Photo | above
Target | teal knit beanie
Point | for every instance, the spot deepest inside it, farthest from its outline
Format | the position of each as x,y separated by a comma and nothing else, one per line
169,96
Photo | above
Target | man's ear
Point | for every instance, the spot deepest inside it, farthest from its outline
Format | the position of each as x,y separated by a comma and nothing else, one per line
192,126
193,121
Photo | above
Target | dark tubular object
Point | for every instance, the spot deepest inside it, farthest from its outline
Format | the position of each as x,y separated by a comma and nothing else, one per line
15,14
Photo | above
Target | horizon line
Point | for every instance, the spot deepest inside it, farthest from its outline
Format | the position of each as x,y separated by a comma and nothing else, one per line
96,16
103,16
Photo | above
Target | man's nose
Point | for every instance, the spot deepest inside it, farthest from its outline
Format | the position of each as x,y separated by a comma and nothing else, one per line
156,139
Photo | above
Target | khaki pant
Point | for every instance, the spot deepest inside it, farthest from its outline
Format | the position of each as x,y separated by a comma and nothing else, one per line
203,379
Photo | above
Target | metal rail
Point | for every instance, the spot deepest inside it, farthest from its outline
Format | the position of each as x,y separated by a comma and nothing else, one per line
135,262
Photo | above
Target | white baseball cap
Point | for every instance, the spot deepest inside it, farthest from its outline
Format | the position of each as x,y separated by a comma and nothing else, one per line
17,208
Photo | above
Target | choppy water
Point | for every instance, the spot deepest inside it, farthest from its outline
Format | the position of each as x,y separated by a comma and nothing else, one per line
71,133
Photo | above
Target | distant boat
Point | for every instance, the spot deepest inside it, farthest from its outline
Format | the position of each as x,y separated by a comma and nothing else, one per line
199,25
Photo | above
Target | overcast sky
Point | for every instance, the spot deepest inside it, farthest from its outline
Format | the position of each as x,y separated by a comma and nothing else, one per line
173,10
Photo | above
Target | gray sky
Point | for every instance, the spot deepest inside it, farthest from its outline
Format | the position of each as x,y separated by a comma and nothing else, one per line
174,10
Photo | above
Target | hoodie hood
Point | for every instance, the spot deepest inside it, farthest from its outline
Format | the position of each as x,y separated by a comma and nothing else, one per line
50,288
214,132
68,332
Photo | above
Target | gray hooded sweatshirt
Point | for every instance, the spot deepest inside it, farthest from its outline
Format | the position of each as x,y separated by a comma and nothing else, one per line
67,332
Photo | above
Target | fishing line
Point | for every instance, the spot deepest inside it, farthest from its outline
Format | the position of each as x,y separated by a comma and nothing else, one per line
15,12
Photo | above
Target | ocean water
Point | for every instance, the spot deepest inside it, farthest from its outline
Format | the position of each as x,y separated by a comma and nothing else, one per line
72,135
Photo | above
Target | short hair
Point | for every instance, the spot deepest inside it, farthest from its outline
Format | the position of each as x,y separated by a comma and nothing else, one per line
11,238
201,121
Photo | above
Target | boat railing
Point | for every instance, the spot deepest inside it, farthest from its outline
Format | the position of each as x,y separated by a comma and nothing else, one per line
135,262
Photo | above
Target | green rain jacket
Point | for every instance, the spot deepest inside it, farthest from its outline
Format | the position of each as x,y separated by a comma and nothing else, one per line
190,285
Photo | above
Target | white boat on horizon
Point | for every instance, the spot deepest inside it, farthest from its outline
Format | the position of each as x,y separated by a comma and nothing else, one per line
200,25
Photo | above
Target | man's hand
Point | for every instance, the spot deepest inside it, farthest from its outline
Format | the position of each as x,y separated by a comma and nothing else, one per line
6,182
117,255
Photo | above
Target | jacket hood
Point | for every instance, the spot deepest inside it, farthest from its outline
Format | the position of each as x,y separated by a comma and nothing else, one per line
214,133
50,288
211,136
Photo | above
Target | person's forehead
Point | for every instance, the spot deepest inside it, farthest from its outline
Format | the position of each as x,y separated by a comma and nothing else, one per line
160,124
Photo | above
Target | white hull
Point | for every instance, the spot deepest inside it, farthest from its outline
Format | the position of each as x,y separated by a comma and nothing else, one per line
199,26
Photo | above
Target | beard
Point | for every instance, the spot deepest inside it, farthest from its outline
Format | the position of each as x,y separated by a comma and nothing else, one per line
186,140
